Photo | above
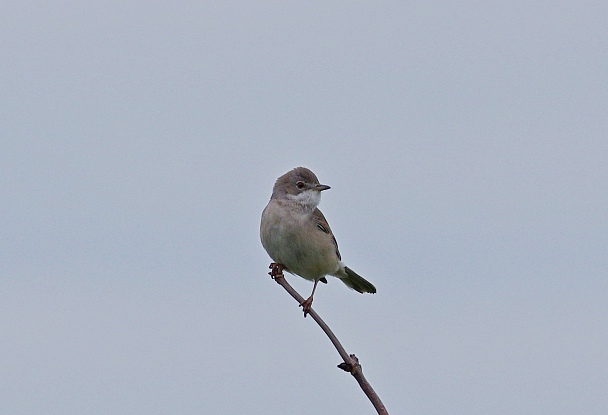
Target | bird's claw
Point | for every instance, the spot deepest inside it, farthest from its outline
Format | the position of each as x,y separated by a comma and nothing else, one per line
306,305
276,270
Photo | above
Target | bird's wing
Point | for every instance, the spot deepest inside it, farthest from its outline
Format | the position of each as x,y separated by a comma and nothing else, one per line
324,227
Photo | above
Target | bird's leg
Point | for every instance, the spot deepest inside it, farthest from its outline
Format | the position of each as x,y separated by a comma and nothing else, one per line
276,270
306,304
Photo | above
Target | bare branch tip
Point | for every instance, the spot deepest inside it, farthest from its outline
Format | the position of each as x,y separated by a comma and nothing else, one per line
351,362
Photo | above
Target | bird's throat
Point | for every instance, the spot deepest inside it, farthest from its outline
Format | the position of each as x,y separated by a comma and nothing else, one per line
308,199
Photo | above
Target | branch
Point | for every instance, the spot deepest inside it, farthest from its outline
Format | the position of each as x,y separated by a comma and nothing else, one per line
351,363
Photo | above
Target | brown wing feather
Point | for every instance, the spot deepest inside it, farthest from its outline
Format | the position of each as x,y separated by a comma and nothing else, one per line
324,227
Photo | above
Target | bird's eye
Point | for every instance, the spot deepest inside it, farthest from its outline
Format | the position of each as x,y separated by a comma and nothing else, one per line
300,185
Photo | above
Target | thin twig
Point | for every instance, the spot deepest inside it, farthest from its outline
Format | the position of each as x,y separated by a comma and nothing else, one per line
351,363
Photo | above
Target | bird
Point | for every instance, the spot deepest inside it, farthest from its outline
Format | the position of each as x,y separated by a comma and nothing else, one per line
296,235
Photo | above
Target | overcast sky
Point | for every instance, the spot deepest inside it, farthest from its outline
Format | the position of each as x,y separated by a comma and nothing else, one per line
466,144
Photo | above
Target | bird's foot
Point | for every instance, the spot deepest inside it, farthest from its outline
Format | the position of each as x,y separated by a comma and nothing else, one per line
276,270
306,305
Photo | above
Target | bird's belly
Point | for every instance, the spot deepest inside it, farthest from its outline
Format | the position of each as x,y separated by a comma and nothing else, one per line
299,254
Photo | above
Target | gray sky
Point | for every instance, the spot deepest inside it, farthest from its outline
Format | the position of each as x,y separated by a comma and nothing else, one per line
466,147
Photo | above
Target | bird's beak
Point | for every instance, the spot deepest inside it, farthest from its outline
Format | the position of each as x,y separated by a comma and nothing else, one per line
321,187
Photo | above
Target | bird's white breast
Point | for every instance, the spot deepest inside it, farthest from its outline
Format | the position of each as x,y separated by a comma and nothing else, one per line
291,238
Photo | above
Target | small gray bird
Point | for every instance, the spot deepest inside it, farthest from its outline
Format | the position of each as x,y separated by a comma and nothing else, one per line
296,234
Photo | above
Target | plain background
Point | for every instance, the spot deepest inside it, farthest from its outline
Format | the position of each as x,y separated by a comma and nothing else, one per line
466,146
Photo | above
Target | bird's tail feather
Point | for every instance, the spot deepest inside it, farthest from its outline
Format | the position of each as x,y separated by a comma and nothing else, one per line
357,282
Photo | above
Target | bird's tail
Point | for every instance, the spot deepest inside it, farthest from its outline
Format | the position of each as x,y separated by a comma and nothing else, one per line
356,281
